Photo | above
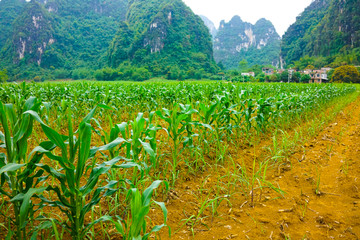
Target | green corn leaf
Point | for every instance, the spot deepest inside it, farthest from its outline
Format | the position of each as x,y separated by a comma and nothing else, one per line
52,172
101,219
26,203
2,160
84,150
105,107
94,176
154,230
63,201
106,147
30,103
163,208
118,225
10,112
147,194
54,137
10,167
148,148
123,128
42,226
114,133
109,190
89,116
8,141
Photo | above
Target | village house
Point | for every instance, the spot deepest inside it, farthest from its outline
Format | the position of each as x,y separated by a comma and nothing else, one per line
268,71
318,76
248,74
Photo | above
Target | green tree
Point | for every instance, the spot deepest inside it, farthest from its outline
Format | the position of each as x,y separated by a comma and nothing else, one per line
3,76
305,78
296,77
284,76
243,65
261,77
275,77
346,74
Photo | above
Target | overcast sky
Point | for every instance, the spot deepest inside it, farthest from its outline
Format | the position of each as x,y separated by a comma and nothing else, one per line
282,13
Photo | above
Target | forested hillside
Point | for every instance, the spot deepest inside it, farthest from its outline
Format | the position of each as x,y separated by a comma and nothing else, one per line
328,31
57,36
162,35
62,38
9,11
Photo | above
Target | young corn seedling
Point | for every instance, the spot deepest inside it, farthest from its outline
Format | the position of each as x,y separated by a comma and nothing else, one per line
18,171
135,226
74,198
208,116
178,126
141,145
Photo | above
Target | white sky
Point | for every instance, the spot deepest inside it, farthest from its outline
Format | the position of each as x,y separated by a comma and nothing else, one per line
282,13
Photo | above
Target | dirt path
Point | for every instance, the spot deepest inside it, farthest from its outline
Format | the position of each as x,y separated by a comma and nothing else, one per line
322,200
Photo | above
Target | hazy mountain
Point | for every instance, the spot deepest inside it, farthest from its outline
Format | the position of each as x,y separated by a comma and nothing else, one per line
256,44
210,25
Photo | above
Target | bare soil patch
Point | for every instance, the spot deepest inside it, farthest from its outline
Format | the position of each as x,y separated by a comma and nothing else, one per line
322,184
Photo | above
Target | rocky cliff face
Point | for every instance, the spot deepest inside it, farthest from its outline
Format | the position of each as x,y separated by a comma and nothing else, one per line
238,40
33,33
59,33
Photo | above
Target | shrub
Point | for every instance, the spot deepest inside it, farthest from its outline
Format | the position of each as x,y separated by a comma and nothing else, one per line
106,74
81,73
61,74
37,79
346,74
141,74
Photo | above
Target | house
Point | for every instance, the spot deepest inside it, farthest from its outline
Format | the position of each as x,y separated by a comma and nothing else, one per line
318,76
291,71
307,71
268,71
248,74
280,71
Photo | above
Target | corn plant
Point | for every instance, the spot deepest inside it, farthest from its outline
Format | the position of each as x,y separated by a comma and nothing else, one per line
208,116
134,227
263,113
178,127
75,159
249,110
17,170
140,131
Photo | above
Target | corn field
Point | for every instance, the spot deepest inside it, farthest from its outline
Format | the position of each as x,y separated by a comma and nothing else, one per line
91,160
